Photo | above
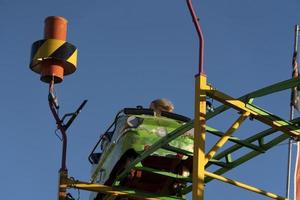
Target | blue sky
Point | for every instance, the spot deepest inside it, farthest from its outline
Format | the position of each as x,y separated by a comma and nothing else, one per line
131,52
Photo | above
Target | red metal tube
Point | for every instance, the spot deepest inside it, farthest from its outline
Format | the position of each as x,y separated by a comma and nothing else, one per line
200,35
55,28
60,127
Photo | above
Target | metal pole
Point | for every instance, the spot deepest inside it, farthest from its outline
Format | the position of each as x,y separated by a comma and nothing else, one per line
199,138
200,35
292,109
200,115
60,126
288,180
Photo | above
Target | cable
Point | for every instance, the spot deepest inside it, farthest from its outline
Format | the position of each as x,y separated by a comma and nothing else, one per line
78,194
295,170
69,197
74,181
57,134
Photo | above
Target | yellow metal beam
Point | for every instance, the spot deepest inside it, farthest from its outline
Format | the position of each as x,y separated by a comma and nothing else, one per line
94,187
199,137
62,188
226,136
244,186
256,113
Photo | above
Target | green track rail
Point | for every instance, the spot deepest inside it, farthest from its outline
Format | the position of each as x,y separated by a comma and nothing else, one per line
256,144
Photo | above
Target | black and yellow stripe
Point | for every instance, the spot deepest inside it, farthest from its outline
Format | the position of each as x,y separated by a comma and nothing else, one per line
53,49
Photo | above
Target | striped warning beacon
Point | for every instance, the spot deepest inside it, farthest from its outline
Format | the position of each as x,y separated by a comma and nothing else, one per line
53,57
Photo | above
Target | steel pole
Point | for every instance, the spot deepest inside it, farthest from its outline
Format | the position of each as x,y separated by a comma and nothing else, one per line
200,36
292,110
288,180
199,138
200,114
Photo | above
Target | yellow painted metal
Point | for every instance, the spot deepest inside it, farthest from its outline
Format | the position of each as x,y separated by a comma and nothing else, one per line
199,137
62,189
49,47
244,107
73,58
66,182
199,159
244,186
226,136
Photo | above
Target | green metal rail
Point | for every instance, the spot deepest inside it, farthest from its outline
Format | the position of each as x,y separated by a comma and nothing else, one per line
256,144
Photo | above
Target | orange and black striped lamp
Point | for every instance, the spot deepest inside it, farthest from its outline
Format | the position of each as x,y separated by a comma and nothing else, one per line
53,57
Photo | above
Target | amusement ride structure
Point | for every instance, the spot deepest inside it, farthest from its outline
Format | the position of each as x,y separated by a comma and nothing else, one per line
125,166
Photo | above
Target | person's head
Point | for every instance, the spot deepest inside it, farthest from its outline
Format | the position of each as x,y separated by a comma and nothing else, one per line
160,105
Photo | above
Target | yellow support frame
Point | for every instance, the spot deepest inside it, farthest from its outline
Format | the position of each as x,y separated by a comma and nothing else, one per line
66,182
200,157
226,136
255,112
202,89
199,137
244,186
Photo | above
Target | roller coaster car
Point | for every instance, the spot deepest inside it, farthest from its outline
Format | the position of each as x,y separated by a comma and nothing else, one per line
131,133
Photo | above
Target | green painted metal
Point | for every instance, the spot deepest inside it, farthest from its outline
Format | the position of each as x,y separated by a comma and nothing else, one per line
246,157
242,159
177,150
254,138
277,87
256,149
228,158
234,139
137,139
187,190
257,113
226,153
257,137
272,117
249,156
164,173
218,163
159,144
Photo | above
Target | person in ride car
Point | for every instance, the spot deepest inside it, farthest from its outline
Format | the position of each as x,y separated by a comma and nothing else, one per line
159,105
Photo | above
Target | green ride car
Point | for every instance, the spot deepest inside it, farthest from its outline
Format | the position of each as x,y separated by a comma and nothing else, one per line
133,131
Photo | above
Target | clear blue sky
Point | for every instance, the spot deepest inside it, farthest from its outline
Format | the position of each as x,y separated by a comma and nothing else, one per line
131,52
